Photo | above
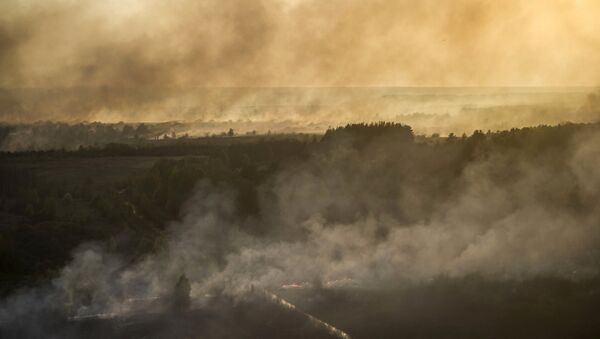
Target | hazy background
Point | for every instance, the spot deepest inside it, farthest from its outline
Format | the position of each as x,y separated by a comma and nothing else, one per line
137,60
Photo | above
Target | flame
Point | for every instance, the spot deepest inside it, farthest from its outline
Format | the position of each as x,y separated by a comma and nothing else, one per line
319,323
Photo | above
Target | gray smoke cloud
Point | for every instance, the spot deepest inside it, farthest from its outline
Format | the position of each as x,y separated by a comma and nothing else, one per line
329,227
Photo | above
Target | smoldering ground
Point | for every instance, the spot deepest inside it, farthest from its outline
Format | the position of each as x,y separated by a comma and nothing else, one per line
377,237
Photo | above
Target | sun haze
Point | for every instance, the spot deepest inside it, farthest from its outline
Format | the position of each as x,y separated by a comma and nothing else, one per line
61,43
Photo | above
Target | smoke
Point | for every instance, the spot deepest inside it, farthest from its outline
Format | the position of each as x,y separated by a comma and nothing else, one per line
326,226
144,58
281,110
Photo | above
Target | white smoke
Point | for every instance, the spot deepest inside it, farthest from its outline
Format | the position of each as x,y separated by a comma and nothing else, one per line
498,232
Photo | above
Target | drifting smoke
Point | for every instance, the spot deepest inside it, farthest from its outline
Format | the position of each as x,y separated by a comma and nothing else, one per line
144,60
305,110
327,227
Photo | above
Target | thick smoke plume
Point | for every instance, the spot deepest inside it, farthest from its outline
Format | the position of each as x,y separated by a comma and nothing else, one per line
351,218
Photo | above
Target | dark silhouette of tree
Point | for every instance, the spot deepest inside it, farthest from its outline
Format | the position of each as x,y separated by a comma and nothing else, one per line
128,131
362,134
181,294
142,131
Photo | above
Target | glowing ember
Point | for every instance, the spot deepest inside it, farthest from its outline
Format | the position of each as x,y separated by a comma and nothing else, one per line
317,322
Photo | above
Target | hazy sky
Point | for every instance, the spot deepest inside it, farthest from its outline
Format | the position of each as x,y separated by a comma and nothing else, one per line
131,43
